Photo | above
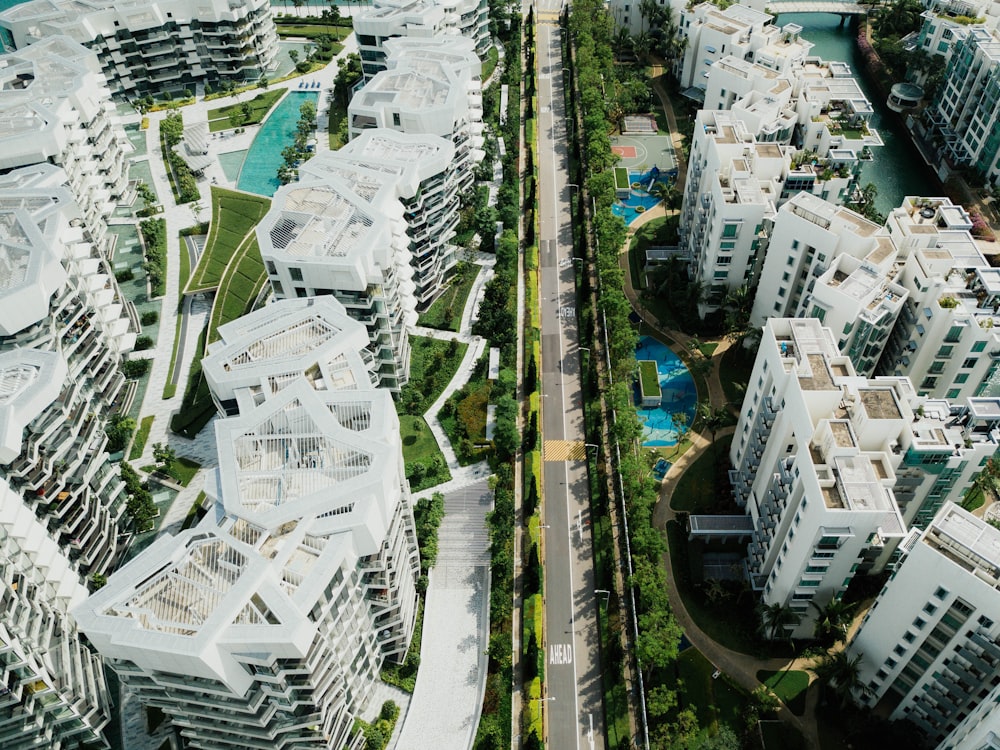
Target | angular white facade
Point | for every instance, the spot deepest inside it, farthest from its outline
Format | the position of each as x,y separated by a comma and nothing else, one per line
321,237
148,47
422,172
814,468
929,644
55,107
451,21
52,688
62,336
266,626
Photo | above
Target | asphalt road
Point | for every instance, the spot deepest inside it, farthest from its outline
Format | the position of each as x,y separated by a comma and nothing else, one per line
573,703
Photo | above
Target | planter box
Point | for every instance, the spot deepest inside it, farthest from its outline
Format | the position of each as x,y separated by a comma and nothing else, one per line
650,394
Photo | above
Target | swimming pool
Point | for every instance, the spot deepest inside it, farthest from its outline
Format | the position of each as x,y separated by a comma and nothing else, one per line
260,168
639,198
679,394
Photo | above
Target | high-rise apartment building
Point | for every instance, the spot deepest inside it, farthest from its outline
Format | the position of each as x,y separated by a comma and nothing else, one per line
52,688
267,624
55,108
930,644
321,237
813,468
63,332
422,172
453,23
149,47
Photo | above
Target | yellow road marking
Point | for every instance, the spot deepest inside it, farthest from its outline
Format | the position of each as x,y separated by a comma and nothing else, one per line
564,450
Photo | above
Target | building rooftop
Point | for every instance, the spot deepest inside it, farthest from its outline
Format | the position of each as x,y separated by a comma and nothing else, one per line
880,403
272,347
967,541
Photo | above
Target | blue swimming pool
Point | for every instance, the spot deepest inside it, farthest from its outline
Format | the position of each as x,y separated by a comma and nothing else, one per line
679,394
260,168
639,198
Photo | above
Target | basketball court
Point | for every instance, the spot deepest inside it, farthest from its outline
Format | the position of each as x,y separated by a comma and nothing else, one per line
643,152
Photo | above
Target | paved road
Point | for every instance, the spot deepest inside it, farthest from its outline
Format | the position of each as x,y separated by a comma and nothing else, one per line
573,698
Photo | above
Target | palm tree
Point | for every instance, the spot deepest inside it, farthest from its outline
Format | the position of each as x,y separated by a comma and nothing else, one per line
623,41
738,305
648,10
839,677
833,620
775,619
642,44
710,417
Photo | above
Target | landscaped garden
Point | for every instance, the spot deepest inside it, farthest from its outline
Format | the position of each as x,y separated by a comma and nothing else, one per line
463,417
789,685
249,112
446,311
234,216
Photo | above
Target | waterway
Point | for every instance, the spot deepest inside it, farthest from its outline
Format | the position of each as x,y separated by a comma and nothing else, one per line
897,169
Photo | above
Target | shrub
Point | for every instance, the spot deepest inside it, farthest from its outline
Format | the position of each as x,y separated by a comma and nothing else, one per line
150,317
124,274
143,342
135,368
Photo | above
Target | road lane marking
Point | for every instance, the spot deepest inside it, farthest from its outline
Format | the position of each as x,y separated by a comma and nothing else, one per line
561,653
564,450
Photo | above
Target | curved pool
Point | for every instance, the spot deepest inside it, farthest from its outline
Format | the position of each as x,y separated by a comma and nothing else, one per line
260,168
679,395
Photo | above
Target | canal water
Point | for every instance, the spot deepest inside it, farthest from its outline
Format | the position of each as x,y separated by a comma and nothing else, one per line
897,169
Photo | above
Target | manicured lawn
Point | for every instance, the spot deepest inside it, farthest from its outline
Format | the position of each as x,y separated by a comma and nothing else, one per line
445,312
260,105
649,378
239,287
699,490
715,700
433,363
311,31
337,118
419,446
182,470
490,63
234,216
141,436
170,388
790,686
974,499
195,512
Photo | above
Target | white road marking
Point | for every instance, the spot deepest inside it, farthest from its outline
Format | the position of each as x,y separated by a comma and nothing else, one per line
561,653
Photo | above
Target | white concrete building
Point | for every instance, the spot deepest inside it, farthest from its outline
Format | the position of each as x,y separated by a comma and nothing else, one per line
422,172
266,626
833,110
55,108
980,730
947,339
427,90
929,644
813,468
712,34
450,22
260,353
149,47
963,122
322,237
62,335
52,688
828,262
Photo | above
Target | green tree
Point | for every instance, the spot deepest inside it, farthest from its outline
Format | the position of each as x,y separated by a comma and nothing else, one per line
119,430
164,456
711,418
833,620
293,54
839,676
775,619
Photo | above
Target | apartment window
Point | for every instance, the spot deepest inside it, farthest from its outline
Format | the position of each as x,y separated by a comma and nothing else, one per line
720,274
270,268
940,593
979,346
300,292
961,378
909,637
969,363
791,260
785,276
953,393
724,260
795,244
278,290
929,609
777,307
919,623
945,351
727,245
782,291
731,229
395,119
295,273
954,334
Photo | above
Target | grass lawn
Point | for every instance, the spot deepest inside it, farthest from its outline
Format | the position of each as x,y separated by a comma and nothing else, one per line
734,371
141,436
170,388
433,363
311,31
790,686
195,512
697,490
973,499
777,735
490,63
182,470
445,312
260,105
337,118
649,378
419,446
239,287
234,216
715,700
